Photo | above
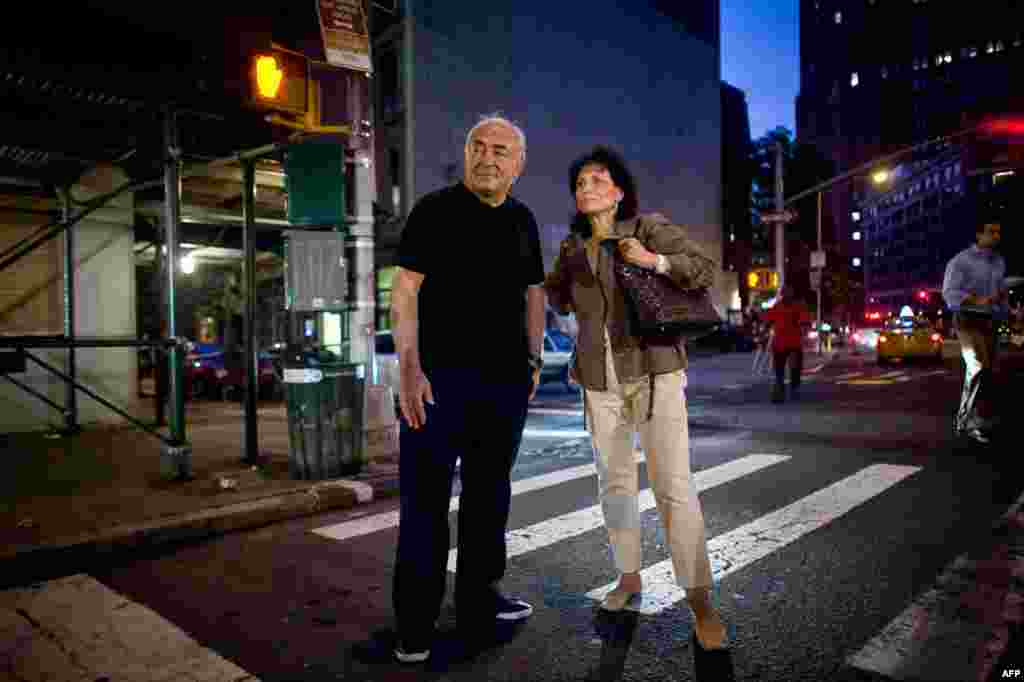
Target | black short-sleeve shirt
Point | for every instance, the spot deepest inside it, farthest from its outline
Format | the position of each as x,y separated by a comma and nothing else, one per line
477,261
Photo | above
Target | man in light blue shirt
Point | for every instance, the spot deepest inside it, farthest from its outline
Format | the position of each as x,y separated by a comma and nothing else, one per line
974,290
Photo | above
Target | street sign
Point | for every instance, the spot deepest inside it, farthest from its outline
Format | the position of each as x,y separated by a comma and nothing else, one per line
785,216
815,279
817,259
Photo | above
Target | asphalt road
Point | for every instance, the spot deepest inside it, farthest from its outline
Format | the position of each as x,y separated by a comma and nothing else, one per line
837,553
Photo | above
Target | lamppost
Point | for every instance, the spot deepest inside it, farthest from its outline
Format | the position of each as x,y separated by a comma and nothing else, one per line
879,177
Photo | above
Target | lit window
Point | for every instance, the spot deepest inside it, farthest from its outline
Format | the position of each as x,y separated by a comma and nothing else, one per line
839,17
964,51
856,262
1016,41
855,215
885,72
956,168
854,79
938,60
732,236
949,57
990,48
916,65
973,52
999,46
856,236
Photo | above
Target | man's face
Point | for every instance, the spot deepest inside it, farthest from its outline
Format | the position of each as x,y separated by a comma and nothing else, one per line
494,159
989,237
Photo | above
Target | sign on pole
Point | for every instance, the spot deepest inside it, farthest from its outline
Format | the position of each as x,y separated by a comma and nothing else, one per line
817,259
815,279
346,38
787,215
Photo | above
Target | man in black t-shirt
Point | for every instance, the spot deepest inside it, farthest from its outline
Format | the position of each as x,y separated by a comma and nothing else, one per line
468,320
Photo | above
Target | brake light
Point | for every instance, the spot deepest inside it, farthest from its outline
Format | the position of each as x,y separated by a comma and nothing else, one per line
882,339
936,338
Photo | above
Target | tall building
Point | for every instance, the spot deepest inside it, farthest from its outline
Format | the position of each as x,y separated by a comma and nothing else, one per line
880,75
643,78
737,179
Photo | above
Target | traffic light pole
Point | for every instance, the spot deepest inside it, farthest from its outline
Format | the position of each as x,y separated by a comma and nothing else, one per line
819,278
780,227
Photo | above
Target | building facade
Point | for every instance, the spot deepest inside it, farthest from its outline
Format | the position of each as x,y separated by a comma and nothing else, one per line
643,79
737,180
880,75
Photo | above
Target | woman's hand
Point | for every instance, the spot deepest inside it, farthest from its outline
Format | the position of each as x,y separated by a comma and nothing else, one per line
635,253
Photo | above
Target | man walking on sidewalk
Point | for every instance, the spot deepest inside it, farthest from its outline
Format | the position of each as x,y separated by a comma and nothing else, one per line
469,248
974,289
788,318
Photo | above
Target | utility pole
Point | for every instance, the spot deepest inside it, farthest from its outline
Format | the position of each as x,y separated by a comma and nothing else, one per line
780,226
820,272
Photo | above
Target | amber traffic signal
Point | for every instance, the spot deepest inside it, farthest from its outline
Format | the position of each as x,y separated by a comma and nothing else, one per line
278,80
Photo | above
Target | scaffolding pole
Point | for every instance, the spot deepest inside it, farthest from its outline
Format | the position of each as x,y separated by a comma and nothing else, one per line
251,443
70,394
177,455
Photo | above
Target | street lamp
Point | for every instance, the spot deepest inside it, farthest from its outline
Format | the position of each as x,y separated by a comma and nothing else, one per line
880,176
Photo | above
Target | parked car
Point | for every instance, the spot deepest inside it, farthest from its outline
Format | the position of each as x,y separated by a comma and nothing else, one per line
210,374
558,349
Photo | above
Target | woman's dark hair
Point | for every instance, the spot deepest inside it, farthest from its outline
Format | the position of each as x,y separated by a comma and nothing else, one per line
623,179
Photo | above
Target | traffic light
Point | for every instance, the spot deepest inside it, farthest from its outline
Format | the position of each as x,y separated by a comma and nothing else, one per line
763,279
923,295
278,80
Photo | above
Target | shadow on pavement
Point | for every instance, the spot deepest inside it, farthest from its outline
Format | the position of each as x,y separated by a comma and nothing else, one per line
617,629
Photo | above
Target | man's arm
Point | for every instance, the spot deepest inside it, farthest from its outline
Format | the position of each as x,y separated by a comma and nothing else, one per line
413,386
953,292
405,321
535,318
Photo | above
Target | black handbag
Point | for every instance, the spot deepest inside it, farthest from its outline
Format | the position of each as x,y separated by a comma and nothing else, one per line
661,310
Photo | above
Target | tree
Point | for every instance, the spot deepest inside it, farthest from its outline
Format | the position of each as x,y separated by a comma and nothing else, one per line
804,166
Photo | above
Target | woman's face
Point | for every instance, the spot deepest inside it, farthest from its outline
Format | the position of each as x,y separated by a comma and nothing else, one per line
596,192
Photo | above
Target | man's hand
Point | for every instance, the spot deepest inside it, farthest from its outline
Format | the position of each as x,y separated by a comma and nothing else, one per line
634,252
536,383
413,389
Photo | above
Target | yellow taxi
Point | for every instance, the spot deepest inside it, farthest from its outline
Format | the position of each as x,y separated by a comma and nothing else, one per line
907,338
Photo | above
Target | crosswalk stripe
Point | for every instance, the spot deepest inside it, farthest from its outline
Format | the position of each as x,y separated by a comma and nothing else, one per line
555,433
935,638
378,522
738,548
548,532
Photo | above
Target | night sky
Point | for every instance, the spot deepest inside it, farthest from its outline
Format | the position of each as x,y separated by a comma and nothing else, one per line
761,56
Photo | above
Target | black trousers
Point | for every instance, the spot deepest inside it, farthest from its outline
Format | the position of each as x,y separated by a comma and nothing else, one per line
796,366
480,422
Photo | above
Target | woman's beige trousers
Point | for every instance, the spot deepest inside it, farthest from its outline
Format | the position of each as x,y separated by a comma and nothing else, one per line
613,416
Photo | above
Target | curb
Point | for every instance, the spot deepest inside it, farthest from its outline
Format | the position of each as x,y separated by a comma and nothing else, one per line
206,523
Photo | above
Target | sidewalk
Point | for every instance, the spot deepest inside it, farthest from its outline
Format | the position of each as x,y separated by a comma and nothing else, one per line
72,498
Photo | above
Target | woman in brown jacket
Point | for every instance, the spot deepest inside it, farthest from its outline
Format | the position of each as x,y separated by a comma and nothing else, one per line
632,384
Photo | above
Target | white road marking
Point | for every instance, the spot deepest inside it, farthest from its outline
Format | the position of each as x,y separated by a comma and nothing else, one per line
551,531
934,638
737,549
385,520
891,375
554,433
557,411
935,373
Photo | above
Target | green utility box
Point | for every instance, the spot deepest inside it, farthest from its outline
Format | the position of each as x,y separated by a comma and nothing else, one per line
325,414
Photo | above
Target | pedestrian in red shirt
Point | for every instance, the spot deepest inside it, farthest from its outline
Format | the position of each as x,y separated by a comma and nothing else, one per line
788,318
